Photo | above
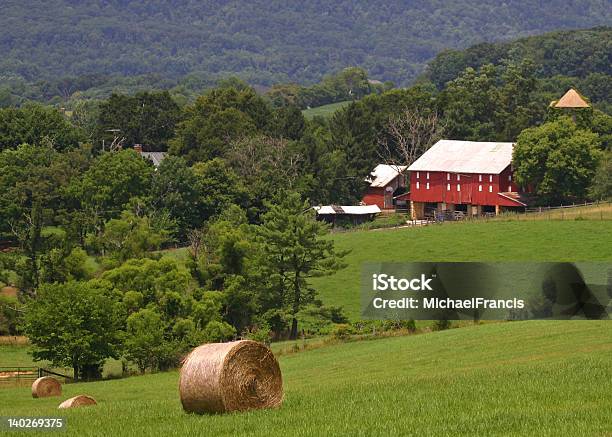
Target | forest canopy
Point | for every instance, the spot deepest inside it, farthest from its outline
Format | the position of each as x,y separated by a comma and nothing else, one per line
126,43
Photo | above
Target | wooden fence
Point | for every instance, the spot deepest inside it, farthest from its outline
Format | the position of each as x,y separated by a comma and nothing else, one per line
542,209
25,376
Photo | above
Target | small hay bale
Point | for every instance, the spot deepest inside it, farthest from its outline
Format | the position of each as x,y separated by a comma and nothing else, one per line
236,376
78,401
45,387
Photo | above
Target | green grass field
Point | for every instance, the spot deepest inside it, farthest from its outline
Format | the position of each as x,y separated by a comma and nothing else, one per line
325,110
543,378
15,356
537,377
602,211
587,240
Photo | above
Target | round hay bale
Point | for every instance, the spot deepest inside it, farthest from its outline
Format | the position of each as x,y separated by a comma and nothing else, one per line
78,401
236,376
45,387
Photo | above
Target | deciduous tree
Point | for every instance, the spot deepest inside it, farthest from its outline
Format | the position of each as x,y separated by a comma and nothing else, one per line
75,324
35,124
557,159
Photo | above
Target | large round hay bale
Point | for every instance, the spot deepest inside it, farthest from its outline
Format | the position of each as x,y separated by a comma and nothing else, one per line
236,376
78,401
45,387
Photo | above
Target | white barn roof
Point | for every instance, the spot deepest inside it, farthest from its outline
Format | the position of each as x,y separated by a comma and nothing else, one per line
384,174
351,210
465,157
155,157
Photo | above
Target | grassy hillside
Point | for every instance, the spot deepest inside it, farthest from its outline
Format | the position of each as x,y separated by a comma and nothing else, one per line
325,110
544,378
488,241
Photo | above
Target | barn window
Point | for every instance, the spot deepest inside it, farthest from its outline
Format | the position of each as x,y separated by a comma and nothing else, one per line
509,177
427,185
427,175
418,174
509,188
458,187
458,177
447,187
479,187
479,178
490,188
490,178
448,176
418,184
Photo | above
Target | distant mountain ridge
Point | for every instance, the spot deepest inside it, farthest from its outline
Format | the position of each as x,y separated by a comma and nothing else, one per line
264,42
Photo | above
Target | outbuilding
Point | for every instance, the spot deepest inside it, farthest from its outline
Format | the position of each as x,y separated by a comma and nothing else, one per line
386,182
354,214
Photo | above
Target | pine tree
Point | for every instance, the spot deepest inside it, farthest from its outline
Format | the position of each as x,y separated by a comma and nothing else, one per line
294,250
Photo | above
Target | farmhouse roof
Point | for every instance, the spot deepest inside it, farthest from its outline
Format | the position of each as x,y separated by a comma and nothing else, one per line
350,210
384,174
155,157
465,157
571,99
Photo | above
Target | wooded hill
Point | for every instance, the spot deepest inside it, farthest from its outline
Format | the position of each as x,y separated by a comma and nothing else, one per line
580,59
263,42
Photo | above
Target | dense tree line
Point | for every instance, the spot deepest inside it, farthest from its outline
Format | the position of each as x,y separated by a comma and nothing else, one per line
566,59
262,42
579,59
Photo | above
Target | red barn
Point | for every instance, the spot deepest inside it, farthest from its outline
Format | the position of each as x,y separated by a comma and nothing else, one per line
384,181
473,177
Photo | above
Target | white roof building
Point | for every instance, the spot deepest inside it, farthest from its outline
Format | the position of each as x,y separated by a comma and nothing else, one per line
465,157
384,174
348,210
155,157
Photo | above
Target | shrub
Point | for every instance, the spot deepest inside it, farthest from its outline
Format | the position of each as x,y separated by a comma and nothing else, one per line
144,339
343,331
216,331
391,325
441,325
262,334
9,315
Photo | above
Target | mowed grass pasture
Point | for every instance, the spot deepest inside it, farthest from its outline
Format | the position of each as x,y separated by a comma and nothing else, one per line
495,240
515,378
601,211
510,378
324,110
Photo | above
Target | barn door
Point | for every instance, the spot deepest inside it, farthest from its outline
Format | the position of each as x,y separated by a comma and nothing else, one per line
467,191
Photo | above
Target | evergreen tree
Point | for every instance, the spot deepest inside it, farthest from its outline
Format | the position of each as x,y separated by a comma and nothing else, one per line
294,249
